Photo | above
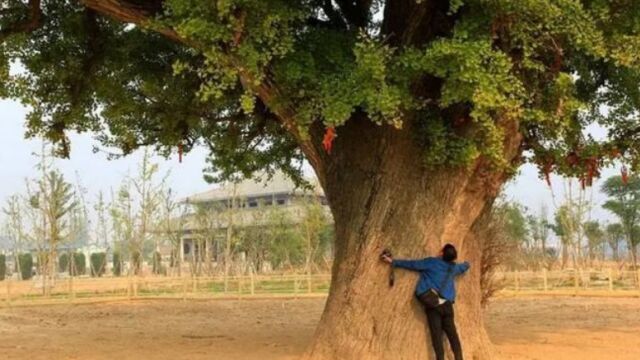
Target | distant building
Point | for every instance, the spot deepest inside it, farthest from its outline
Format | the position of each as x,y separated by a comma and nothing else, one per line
251,200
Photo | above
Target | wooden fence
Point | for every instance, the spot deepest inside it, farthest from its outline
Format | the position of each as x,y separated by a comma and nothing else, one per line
577,281
85,289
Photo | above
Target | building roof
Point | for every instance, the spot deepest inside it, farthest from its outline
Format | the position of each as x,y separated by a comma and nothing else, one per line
262,185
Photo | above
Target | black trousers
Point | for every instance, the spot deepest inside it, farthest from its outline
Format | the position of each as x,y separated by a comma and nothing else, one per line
440,319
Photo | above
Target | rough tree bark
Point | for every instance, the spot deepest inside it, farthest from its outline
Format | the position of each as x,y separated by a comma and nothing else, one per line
382,196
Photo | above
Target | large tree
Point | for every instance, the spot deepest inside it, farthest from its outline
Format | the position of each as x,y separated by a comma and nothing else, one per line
434,104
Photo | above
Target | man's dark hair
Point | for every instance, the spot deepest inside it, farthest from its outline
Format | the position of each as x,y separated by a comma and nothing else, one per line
449,253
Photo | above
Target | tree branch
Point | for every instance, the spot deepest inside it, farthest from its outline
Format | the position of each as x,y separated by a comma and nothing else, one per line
333,15
134,13
357,13
92,58
28,25
416,23
267,91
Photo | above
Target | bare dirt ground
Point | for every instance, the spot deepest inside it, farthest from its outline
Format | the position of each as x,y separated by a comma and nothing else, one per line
522,328
566,328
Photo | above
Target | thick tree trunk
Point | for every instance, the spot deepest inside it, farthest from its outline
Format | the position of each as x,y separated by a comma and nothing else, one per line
382,197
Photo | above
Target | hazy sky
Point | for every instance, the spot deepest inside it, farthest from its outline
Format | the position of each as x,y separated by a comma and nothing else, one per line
97,173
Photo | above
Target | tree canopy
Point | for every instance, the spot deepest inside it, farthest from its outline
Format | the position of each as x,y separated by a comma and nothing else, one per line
261,83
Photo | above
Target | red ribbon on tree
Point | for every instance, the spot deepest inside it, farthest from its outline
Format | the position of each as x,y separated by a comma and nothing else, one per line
327,142
624,174
180,151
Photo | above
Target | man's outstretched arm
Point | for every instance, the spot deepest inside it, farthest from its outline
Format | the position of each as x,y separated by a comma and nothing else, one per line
415,265
462,268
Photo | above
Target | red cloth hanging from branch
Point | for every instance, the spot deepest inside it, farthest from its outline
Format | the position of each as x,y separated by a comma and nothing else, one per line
327,142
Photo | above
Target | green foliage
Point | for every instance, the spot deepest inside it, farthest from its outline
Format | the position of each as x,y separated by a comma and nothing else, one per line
3,266
117,264
539,227
545,67
26,265
63,262
98,264
79,265
567,223
55,201
614,234
286,247
42,259
472,73
595,235
441,144
364,84
624,203
516,224
286,240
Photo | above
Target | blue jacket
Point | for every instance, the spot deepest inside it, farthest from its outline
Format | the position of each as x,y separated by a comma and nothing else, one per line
433,271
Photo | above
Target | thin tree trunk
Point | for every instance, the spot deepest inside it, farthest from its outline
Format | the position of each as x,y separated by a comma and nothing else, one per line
565,255
52,268
43,271
229,237
17,264
634,256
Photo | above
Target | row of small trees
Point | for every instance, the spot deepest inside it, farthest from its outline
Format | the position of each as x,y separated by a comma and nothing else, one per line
581,241
49,213
142,216
74,264
24,269
52,214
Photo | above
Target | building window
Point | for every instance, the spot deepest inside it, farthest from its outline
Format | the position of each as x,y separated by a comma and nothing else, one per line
253,203
281,201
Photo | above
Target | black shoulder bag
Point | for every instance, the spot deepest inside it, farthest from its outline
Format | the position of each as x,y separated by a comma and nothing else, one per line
431,298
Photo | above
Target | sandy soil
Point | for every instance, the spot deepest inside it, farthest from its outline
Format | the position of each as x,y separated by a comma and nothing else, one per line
566,328
522,328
